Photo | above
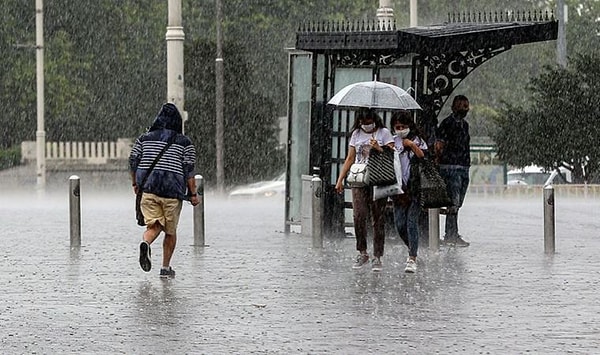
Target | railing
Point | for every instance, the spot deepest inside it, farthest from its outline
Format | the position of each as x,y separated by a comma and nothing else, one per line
561,190
82,152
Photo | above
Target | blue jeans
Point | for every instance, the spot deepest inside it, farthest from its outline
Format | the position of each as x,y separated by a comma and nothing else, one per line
457,182
406,218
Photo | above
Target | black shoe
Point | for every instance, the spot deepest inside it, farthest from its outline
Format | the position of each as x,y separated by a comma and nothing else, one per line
145,254
164,273
456,242
461,242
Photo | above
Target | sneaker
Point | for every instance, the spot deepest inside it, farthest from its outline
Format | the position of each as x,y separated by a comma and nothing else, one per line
164,273
361,259
376,264
461,242
411,266
145,254
456,242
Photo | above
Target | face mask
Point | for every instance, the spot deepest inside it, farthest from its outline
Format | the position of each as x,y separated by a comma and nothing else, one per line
403,133
368,127
461,113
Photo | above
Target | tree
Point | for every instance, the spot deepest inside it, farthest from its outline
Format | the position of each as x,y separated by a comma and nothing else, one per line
122,46
106,66
265,29
561,122
251,126
17,77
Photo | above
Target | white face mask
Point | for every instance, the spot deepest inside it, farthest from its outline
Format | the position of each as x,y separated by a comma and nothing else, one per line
368,127
403,133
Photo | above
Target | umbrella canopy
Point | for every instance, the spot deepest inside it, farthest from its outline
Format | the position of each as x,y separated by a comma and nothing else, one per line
375,95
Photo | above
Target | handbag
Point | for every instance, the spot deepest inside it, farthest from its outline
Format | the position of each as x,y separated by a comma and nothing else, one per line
356,175
139,215
427,184
394,189
380,167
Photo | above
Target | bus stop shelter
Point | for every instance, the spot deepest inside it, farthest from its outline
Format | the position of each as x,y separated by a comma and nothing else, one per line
432,60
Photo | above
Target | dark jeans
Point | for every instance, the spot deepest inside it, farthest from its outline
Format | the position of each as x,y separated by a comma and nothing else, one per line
406,218
362,205
457,182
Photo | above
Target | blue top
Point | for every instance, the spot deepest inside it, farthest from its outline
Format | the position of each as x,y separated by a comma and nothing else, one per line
169,176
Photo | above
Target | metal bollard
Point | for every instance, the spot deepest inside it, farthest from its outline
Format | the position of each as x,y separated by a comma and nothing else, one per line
434,228
199,213
75,211
317,211
549,223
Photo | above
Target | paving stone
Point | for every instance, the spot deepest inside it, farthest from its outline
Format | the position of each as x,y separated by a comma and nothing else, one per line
254,289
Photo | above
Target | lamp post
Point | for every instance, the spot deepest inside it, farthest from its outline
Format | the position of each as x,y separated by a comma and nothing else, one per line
561,43
175,37
219,102
385,14
413,13
40,134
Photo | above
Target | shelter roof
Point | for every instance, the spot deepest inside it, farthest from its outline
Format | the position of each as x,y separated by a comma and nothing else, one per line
459,33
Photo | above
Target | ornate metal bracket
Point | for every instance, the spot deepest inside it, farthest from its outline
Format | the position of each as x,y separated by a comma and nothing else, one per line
364,58
440,74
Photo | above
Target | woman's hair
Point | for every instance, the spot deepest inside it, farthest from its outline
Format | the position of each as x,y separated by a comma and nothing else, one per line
366,113
405,118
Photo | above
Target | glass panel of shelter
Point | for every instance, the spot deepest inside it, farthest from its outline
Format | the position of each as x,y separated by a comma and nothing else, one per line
299,130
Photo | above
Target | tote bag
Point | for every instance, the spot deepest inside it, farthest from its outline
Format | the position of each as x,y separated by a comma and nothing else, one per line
427,184
394,189
380,167
139,216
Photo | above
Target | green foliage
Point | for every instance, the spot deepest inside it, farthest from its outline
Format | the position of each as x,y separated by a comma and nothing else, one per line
10,157
560,124
70,94
251,124
105,68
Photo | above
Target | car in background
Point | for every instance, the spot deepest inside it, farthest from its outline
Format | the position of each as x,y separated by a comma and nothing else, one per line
535,175
268,188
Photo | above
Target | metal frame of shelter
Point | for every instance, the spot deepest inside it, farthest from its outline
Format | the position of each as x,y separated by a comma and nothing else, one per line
431,60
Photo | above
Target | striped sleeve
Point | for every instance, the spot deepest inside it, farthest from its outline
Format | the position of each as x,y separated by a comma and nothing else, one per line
135,155
189,160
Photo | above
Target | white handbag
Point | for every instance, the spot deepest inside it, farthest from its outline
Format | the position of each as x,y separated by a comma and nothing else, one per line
356,175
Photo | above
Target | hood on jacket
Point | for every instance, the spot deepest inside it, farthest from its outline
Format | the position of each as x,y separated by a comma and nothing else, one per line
168,117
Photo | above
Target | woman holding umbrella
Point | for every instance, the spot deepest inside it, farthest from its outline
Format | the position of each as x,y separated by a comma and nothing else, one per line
368,133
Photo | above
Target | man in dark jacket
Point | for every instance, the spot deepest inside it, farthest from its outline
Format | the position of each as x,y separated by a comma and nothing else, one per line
453,153
166,185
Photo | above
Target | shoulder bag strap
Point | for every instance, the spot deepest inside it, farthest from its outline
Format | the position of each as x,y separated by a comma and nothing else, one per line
169,142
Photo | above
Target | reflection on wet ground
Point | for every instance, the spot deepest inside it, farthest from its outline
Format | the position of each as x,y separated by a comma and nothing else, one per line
256,290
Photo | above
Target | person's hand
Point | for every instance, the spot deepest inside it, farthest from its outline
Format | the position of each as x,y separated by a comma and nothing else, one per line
135,189
375,145
339,187
194,200
407,142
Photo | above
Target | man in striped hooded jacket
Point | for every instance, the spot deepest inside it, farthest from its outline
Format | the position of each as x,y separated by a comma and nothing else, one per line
166,185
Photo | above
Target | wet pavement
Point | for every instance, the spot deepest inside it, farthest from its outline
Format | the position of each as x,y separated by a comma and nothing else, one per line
254,289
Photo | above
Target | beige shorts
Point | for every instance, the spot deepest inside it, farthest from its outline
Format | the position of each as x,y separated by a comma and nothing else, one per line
164,210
